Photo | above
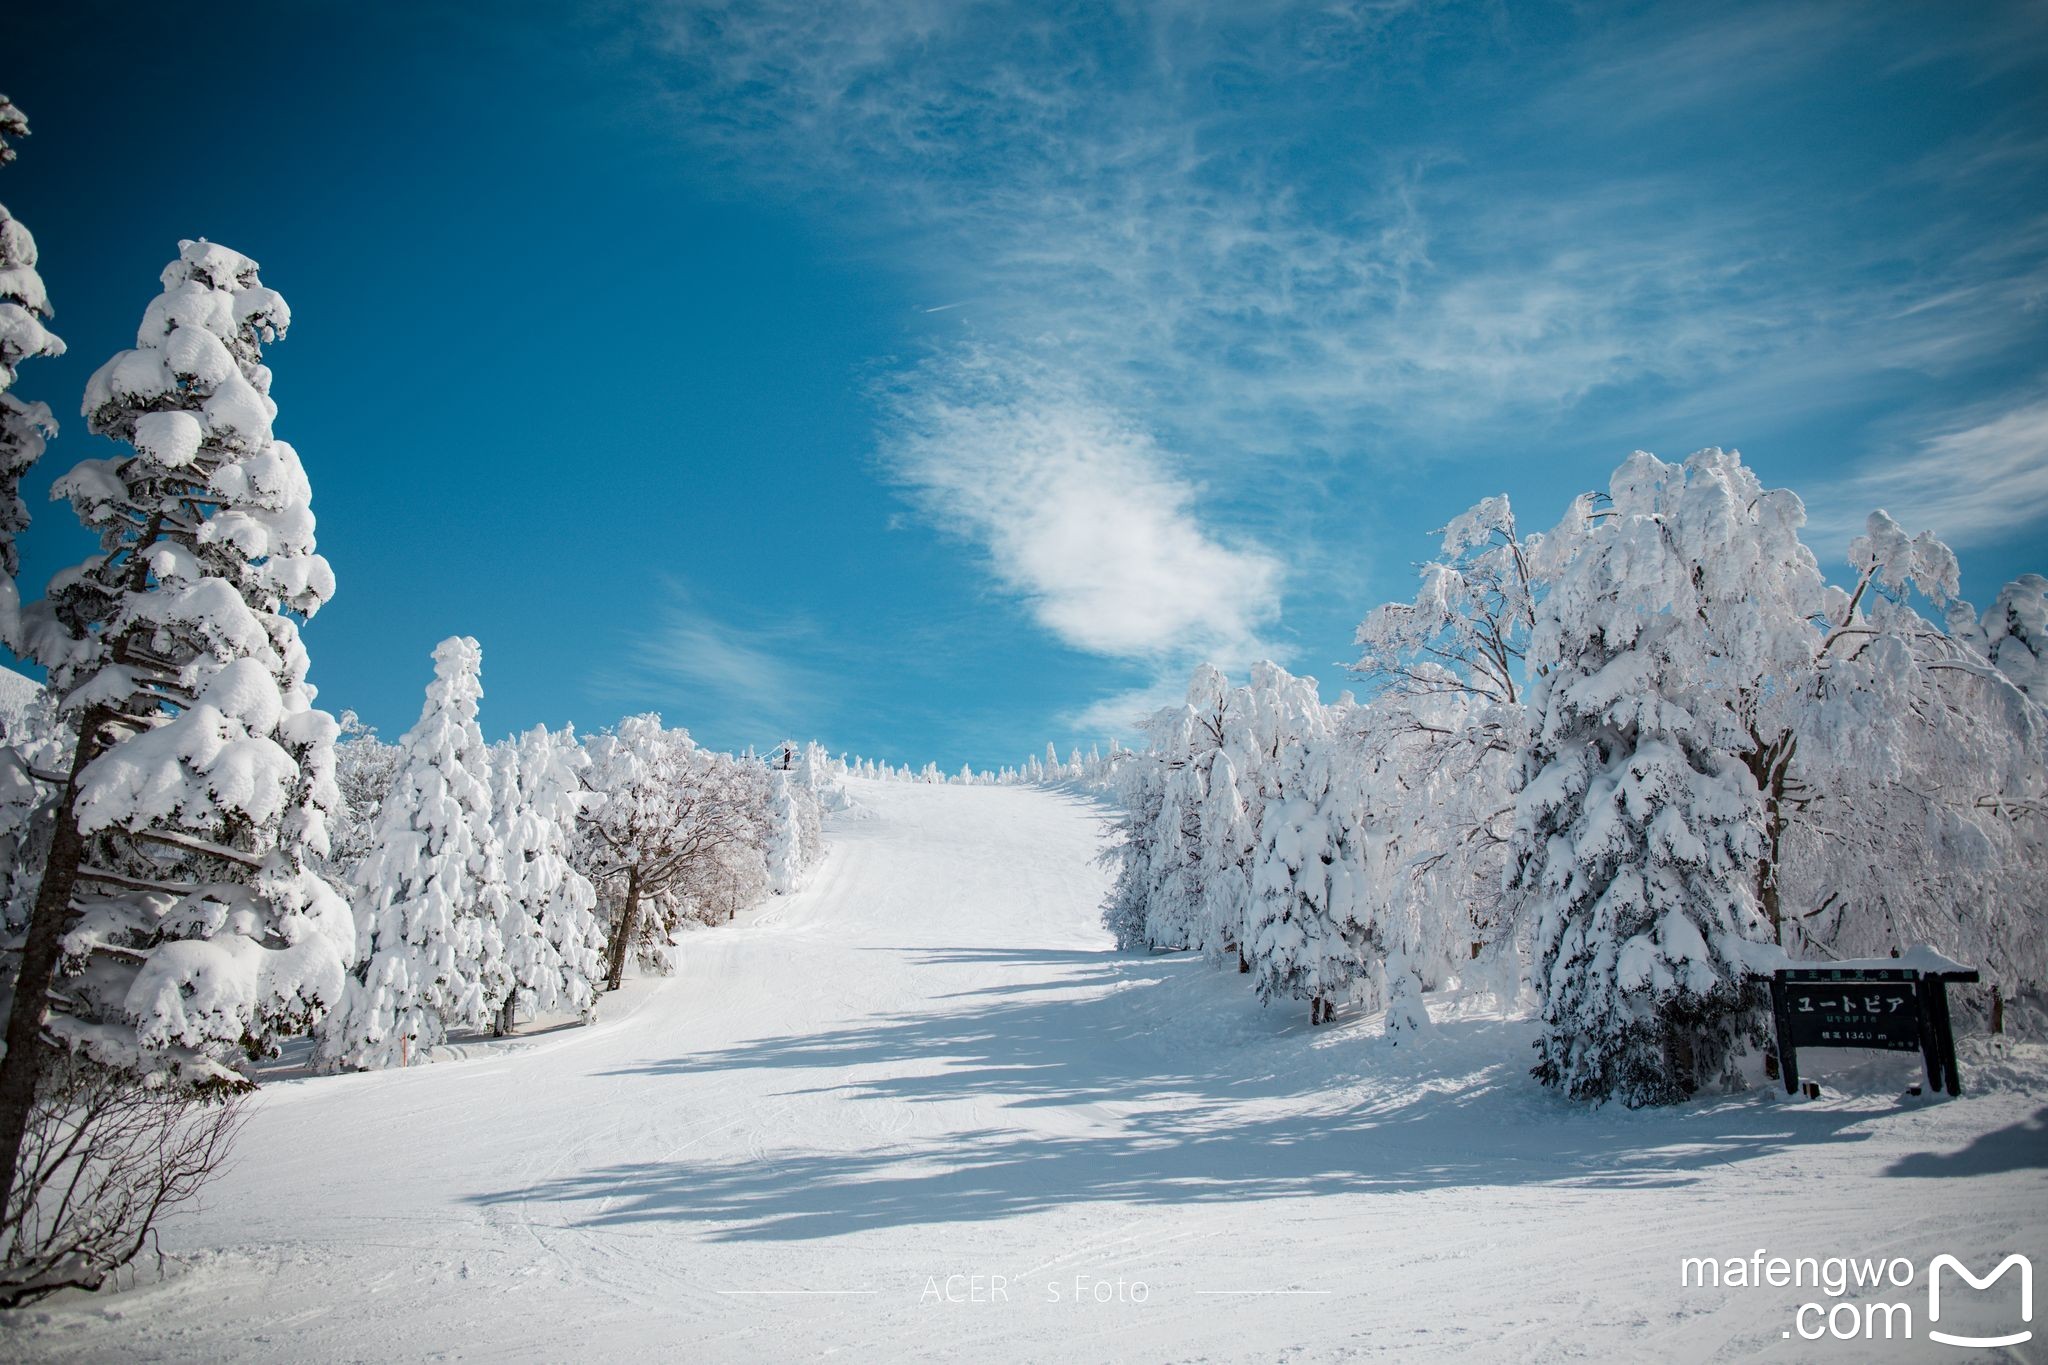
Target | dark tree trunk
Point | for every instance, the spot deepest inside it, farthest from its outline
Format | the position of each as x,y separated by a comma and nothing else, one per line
1997,1010
622,942
1771,765
1242,965
28,1056
508,1018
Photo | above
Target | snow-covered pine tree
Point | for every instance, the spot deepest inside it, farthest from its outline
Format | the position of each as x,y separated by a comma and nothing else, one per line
40,744
1230,845
1134,851
1157,901
24,306
515,930
552,939
793,837
1639,826
179,902
425,936
1307,941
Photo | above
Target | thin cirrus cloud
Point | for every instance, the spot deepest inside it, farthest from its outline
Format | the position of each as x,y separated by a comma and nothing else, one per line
1978,480
735,675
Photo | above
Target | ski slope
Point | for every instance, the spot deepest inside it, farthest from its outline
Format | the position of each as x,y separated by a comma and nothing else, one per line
929,1064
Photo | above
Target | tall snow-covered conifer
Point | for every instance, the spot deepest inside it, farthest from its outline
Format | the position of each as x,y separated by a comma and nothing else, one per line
551,936
179,904
1640,828
24,306
426,936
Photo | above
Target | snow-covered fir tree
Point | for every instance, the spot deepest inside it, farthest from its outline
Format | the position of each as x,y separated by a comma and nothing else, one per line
793,833
179,904
24,425
1228,854
1308,935
428,942
1640,827
552,939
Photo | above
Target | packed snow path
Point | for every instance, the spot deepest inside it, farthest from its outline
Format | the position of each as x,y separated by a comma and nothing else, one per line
929,1064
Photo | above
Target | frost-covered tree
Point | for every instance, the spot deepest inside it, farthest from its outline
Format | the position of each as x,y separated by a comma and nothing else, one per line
179,920
511,929
1133,851
1921,803
1193,808
366,770
428,933
1640,827
2012,633
1443,736
1158,902
24,307
666,819
36,745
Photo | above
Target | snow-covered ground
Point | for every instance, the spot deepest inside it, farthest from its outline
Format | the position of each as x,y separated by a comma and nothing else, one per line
928,1064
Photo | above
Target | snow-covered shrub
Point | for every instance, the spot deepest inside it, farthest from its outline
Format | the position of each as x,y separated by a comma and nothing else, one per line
104,1156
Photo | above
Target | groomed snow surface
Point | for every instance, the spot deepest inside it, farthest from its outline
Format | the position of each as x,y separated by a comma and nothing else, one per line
930,1064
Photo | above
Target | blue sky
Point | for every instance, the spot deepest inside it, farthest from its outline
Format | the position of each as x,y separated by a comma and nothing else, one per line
941,377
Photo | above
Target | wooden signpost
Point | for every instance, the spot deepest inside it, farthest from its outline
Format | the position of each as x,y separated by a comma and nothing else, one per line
1881,1004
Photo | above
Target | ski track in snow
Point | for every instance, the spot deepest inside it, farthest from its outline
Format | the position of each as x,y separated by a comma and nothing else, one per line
930,1063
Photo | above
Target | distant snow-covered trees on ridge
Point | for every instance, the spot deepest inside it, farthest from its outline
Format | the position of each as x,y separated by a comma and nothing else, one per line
1625,763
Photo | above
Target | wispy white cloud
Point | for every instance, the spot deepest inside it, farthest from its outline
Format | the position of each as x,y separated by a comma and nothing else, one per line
1078,510
744,678
1186,308
1118,715
1979,480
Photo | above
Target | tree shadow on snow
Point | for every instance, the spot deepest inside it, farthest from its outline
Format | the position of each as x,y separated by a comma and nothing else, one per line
1115,1090
2021,1146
